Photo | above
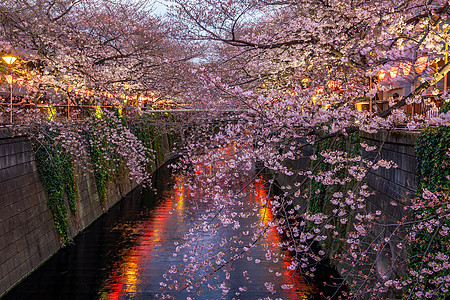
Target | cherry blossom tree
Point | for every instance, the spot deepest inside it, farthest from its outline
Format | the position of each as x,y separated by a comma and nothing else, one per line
291,71
77,55
101,46
297,68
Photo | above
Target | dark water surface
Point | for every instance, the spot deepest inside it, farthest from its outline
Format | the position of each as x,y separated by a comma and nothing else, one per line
125,253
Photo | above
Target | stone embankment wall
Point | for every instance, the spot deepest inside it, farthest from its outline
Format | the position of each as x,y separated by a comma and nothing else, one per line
394,186
28,236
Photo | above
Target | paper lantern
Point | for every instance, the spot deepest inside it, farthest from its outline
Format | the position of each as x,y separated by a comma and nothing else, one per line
421,64
9,79
406,66
381,75
319,90
393,72
334,84
20,81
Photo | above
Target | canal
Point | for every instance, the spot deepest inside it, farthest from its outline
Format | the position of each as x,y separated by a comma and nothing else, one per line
138,250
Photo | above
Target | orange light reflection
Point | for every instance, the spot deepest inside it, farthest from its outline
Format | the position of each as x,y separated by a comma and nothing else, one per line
300,288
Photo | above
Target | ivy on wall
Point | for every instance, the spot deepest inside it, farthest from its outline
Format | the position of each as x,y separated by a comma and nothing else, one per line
320,194
100,168
105,137
433,169
150,132
111,146
445,108
433,162
57,173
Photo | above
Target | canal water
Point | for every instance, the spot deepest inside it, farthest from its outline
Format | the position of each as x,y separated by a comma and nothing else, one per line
131,251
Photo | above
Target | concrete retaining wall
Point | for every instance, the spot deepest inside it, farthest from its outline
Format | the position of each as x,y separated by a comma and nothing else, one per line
28,236
394,185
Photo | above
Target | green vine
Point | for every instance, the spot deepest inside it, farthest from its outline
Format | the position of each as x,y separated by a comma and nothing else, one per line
445,108
107,164
321,194
57,170
57,173
150,134
100,167
433,169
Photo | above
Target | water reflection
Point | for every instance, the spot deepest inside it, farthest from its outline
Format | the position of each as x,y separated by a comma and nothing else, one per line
125,254
139,272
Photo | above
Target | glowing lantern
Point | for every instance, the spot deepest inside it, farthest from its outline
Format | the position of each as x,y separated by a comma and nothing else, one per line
393,72
421,64
20,81
406,68
9,79
381,75
334,84
9,59
56,89
319,90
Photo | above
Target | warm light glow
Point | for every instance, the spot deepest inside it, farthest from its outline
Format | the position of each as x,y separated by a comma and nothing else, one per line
9,79
51,113
359,106
319,90
179,192
9,59
98,112
381,75
334,84
393,72
20,81
131,274
421,64
406,68
265,212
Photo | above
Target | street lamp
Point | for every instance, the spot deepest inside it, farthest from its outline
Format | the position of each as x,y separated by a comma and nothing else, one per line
9,59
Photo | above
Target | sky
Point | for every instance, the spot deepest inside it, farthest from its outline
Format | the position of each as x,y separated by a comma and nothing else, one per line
161,7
